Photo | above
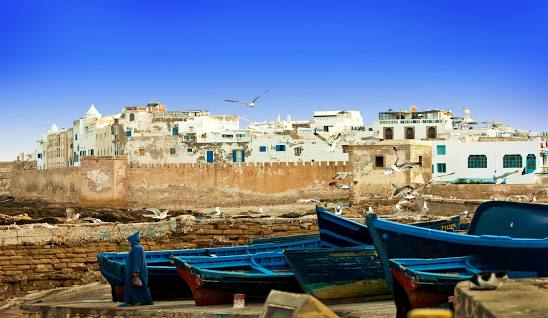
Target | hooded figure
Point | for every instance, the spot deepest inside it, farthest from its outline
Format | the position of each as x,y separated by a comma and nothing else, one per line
136,266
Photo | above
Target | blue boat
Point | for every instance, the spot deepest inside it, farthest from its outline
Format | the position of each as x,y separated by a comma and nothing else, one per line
337,231
164,282
348,274
431,282
512,234
214,280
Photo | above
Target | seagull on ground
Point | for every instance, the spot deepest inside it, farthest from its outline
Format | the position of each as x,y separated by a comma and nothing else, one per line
217,213
395,167
312,200
397,208
248,104
159,215
502,178
92,220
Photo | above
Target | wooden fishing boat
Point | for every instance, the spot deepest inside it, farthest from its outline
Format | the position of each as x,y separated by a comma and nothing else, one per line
523,236
214,280
164,282
346,274
337,231
431,282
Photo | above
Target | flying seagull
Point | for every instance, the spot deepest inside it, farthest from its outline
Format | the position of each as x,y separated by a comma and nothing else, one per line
157,214
502,178
248,104
401,191
333,145
341,175
427,184
395,167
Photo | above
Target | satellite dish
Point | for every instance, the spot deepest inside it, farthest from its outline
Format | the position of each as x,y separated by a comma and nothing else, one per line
467,110
412,108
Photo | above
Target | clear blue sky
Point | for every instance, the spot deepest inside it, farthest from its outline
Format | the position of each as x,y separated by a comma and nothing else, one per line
58,57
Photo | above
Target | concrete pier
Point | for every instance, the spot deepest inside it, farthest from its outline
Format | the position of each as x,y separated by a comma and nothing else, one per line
515,298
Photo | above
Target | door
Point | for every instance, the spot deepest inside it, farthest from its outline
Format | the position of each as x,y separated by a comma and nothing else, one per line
209,156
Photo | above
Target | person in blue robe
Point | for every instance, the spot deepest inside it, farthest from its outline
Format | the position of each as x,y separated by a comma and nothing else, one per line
136,267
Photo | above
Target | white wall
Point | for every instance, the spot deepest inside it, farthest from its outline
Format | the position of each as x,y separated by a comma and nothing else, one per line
456,159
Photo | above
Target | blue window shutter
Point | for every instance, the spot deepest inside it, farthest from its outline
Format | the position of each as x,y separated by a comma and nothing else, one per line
233,155
243,155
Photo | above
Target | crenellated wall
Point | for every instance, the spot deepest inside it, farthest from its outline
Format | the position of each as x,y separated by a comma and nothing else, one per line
110,181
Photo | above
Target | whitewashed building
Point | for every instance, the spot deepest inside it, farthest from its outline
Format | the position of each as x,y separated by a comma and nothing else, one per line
479,161
336,121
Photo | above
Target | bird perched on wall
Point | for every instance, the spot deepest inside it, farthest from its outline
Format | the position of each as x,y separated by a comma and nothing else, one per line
70,215
260,210
311,200
338,210
487,280
397,208
92,220
343,186
370,210
158,215
502,178
248,104
395,167
217,213
424,210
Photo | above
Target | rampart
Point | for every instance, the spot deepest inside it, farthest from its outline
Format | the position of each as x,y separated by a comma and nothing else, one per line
111,181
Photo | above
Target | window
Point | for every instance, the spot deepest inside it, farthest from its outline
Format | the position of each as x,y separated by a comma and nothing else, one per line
280,147
172,151
345,148
440,149
379,162
409,133
512,161
262,148
141,151
128,133
238,155
298,151
188,138
420,161
325,128
240,135
388,133
477,161
39,156
76,137
433,170
131,117
530,163
189,150
175,131
227,136
91,152
431,132
442,168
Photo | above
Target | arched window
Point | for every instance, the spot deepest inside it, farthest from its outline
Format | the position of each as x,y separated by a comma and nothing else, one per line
512,161
477,161
431,133
409,133
388,133
531,163
131,117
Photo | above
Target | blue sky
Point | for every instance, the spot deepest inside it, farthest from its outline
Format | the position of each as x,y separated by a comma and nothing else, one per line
58,57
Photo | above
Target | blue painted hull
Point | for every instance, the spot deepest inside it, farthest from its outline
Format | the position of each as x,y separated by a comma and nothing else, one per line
164,282
337,231
213,281
431,282
339,274
394,240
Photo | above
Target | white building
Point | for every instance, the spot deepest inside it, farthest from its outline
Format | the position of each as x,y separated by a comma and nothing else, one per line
478,161
336,121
